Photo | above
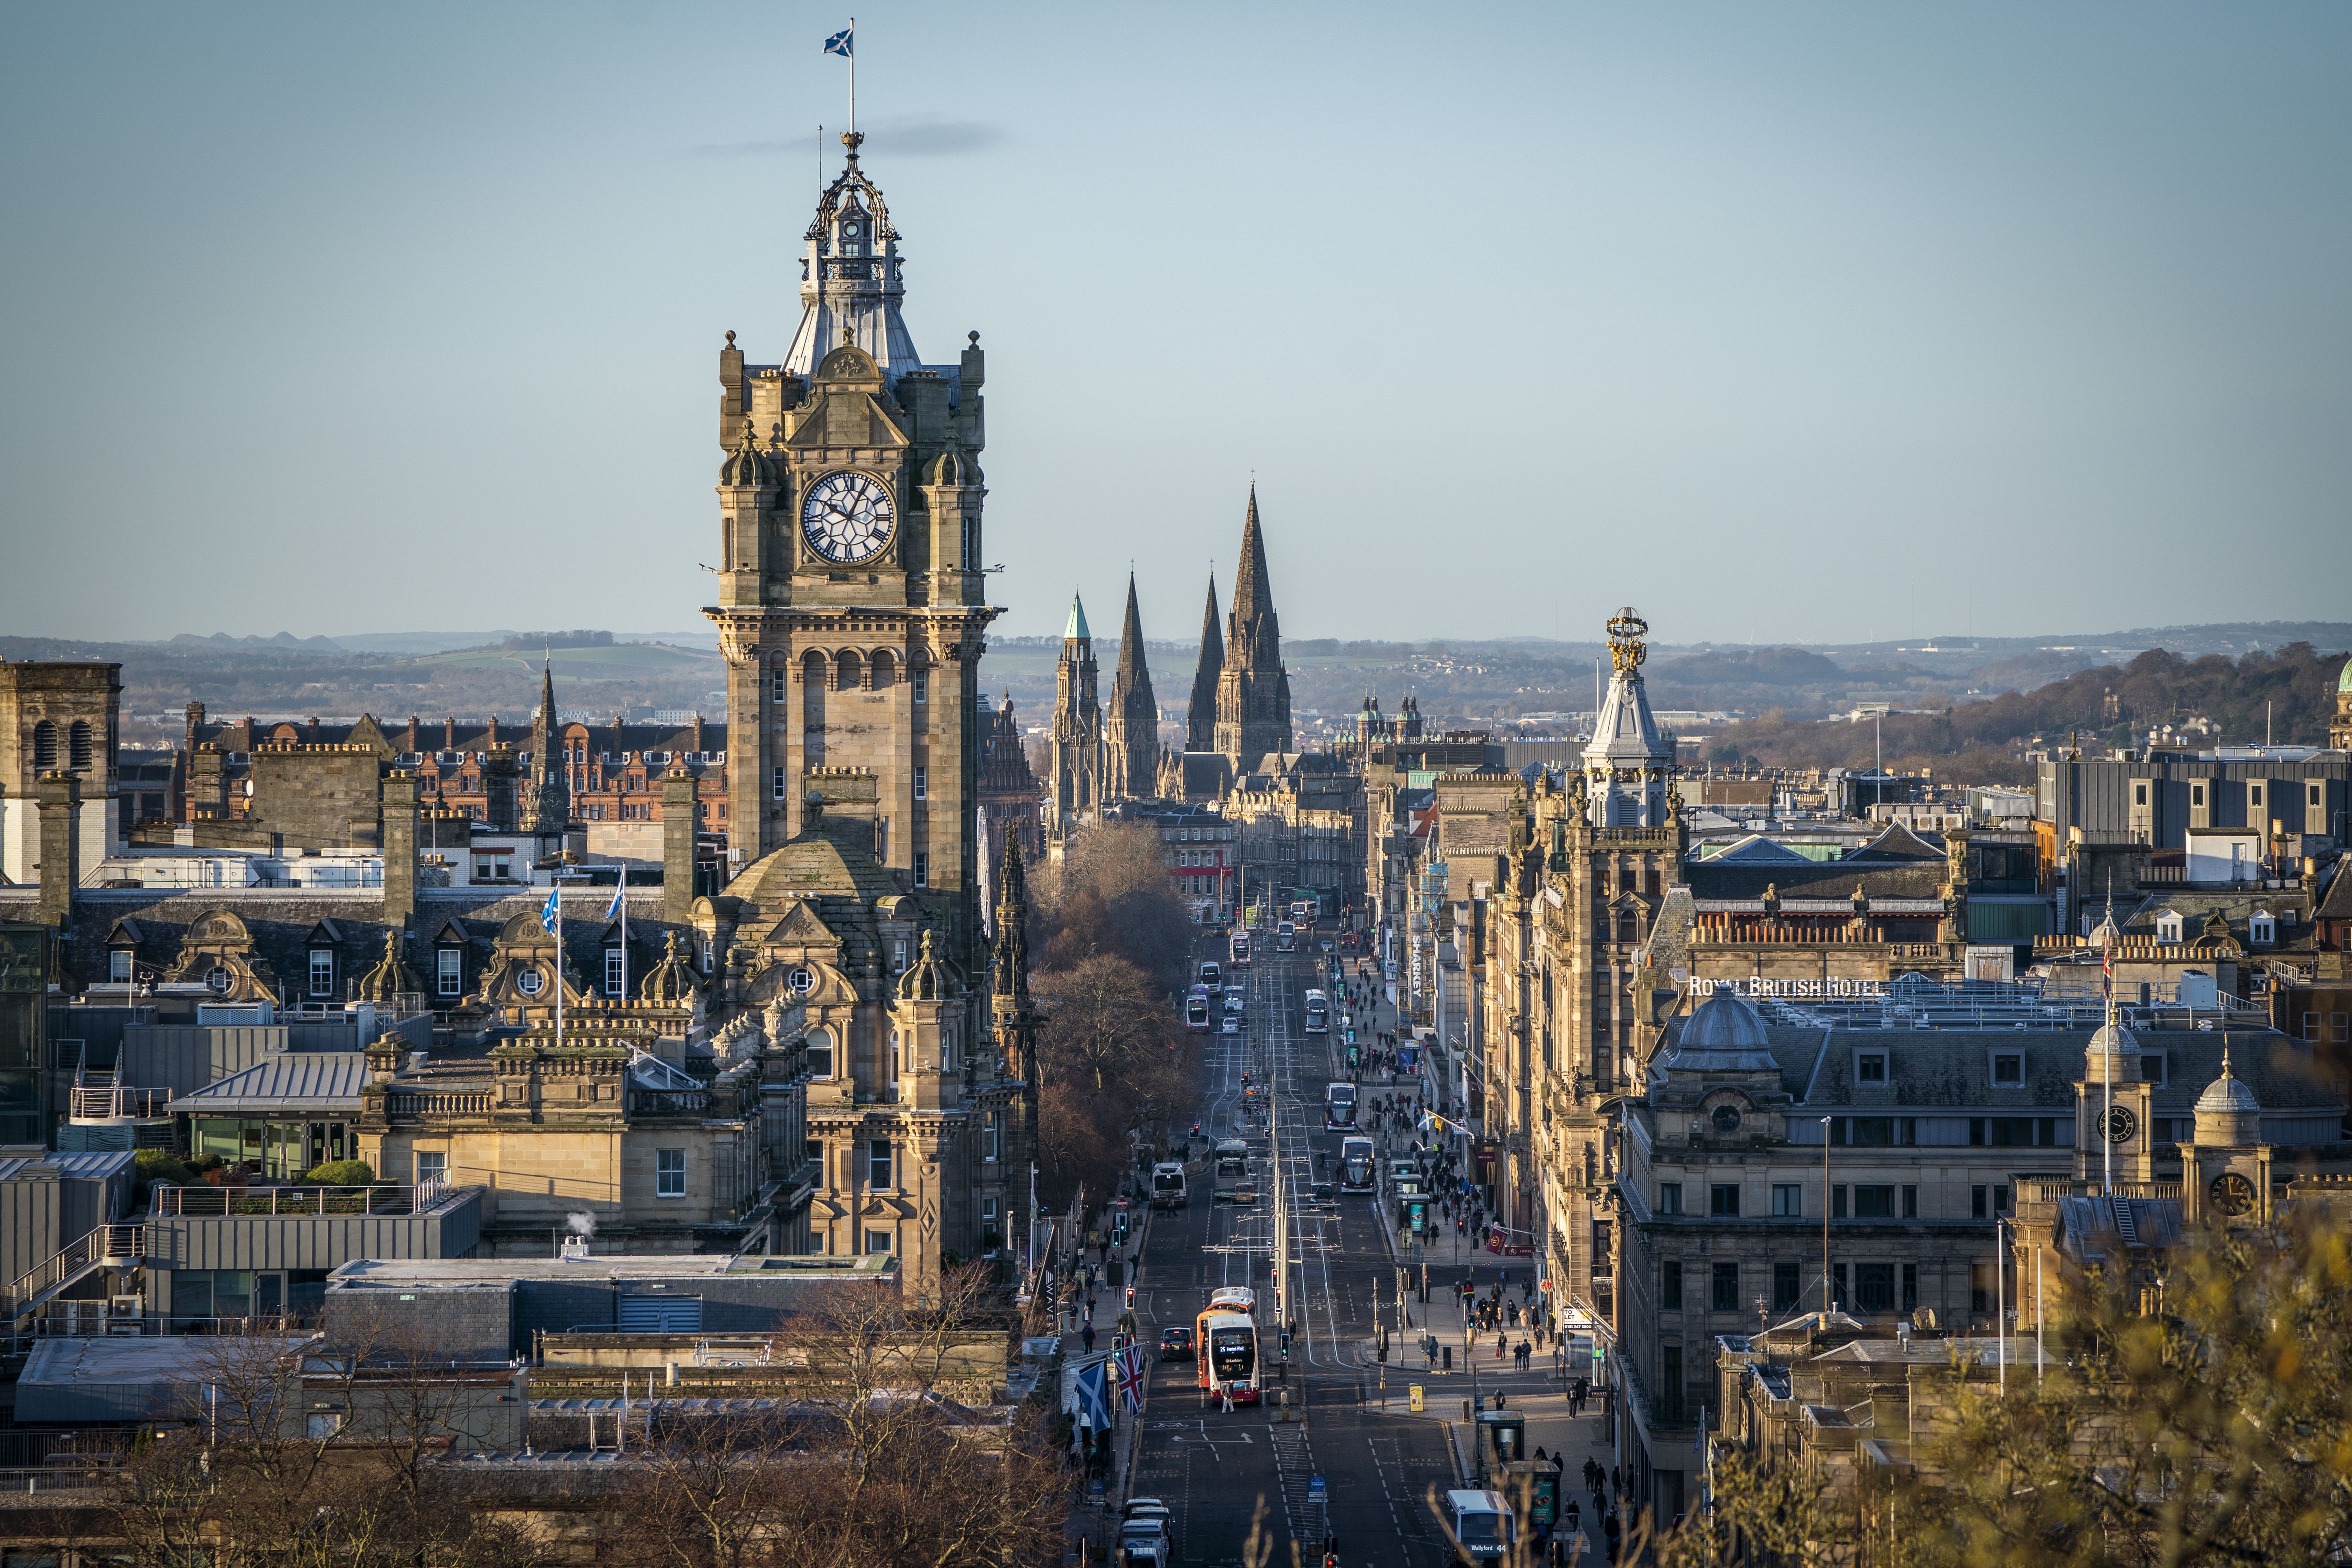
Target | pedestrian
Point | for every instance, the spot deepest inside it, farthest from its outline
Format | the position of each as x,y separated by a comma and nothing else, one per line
1616,1478
1087,1334
1228,1398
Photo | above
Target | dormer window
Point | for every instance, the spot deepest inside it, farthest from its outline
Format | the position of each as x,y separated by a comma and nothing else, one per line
2168,927
1870,1067
2262,927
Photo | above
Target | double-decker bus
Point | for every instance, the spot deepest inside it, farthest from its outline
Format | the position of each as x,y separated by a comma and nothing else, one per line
1286,938
1318,1013
1168,1185
1196,1010
1212,975
1357,1171
1340,1106
1237,947
1226,1334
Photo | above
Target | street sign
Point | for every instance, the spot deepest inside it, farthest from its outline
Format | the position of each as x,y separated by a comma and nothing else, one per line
1416,1399
1315,1487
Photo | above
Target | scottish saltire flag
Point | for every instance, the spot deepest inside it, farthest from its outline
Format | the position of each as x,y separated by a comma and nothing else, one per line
1094,1397
839,43
618,909
551,910
1130,1378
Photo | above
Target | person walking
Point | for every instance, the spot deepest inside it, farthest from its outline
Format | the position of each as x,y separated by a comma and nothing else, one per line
1228,1389
1087,1335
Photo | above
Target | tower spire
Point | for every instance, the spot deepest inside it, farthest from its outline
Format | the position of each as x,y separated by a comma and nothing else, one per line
1253,689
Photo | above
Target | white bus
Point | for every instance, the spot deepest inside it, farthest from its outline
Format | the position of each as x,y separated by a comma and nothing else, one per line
1286,938
1318,1013
1212,975
1228,1363
1196,1010
1340,1106
1168,1185
1238,948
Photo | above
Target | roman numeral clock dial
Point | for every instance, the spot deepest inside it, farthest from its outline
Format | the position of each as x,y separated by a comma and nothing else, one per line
848,517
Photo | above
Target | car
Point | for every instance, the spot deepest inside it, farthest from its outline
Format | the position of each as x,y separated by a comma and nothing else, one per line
1233,1024
1327,944
1175,1344
1325,1190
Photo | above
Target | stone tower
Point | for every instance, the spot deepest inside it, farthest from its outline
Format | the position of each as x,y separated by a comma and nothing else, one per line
851,615
549,808
1253,689
1077,734
1131,726
1200,718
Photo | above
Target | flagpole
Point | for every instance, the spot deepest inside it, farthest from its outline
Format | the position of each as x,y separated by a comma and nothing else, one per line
557,893
852,76
624,931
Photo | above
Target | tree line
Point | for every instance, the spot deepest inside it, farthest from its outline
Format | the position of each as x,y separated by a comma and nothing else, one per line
1113,946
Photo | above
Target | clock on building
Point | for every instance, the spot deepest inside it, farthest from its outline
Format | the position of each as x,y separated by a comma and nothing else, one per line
2230,1193
2121,1125
848,517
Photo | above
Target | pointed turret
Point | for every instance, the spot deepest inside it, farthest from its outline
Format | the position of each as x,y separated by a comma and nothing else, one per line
1010,978
1628,765
1254,690
1131,727
1200,718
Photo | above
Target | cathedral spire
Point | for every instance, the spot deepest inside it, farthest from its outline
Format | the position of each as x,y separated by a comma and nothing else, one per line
1131,727
1253,689
1200,718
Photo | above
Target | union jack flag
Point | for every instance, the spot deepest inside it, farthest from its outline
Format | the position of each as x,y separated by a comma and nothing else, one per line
1130,1378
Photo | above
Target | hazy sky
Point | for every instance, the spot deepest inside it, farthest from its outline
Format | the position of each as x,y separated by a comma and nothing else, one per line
1765,318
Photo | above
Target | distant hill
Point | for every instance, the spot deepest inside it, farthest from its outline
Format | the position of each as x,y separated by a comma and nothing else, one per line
282,640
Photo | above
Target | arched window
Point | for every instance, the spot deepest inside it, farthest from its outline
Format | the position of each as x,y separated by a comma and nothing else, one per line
44,744
850,670
78,745
885,669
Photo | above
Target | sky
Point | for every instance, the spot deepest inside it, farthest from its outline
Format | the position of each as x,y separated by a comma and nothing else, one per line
1821,322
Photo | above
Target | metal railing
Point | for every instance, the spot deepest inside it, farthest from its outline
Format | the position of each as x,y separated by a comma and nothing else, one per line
211,1202
88,1105
2049,1191
102,1245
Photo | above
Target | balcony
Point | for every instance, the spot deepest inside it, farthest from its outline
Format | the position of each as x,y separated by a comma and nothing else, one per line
309,1226
652,1102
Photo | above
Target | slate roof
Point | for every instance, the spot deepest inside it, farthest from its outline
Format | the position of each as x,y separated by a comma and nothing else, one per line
2336,904
1724,878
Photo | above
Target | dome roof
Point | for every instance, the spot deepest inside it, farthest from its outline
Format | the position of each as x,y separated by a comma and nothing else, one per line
2343,681
2229,1094
747,464
1724,1033
2114,1039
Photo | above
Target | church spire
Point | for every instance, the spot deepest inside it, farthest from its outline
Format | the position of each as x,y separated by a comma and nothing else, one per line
550,808
1200,718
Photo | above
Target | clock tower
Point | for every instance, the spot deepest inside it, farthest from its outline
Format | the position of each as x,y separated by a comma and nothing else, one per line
851,617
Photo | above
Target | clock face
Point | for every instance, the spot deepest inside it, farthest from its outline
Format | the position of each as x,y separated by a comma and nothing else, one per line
1726,1119
848,517
2121,1125
2231,1193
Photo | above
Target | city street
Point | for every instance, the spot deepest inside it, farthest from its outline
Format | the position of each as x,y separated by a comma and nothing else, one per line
1377,1460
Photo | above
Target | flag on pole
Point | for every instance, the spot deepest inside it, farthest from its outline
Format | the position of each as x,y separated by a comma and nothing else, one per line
553,910
1130,1378
619,908
1094,1397
839,43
